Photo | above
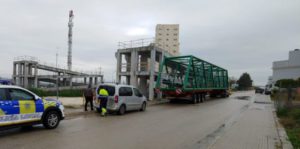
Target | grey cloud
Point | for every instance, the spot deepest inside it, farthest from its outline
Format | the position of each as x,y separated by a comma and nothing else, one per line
238,35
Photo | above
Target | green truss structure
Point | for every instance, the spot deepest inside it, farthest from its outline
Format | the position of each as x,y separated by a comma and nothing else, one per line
190,73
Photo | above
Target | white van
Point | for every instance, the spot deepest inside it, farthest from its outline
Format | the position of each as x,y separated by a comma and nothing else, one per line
121,98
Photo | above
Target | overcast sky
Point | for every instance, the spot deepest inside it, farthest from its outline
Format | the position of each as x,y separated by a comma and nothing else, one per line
242,36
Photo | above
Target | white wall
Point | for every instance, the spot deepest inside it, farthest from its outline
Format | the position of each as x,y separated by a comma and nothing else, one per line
287,69
288,73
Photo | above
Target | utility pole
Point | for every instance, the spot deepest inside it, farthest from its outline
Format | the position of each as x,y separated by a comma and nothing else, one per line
100,70
70,34
57,79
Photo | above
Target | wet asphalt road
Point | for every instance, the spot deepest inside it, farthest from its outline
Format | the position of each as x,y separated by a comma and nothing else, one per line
168,126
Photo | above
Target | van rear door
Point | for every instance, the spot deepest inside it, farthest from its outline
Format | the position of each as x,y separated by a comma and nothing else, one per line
111,93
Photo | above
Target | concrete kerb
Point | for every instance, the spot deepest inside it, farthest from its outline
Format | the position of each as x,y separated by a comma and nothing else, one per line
284,140
157,102
75,110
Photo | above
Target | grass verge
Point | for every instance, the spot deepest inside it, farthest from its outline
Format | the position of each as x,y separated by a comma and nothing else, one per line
290,119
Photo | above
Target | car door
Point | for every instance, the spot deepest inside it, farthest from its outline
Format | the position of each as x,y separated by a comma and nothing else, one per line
125,94
24,103
8,115
130,98
137,98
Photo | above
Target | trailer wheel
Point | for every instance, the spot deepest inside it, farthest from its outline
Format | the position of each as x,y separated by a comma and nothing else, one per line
198,98
213,95
201,97
225,94
194,99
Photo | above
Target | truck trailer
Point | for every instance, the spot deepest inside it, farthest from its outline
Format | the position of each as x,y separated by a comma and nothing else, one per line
192,78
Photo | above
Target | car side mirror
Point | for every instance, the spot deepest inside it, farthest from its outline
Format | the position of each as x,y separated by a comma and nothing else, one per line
37,98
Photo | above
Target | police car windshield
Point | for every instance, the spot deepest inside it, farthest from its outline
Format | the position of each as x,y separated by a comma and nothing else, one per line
110,89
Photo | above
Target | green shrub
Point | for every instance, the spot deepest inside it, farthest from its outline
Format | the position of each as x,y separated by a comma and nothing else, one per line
38,91
295,113
272,96
61,93
275,90
286,83
294,137
282,112
71,93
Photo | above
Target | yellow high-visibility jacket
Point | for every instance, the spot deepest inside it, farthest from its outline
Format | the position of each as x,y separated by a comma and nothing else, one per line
103,92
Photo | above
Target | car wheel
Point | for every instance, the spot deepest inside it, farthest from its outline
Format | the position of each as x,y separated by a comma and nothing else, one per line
122,110
51,120
143,108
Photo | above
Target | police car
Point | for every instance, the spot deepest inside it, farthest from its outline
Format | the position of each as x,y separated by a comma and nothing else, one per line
20,107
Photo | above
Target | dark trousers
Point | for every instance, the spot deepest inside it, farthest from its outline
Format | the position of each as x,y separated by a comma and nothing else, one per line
89,100
103,102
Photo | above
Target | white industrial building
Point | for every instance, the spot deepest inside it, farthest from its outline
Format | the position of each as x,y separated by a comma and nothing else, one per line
287,69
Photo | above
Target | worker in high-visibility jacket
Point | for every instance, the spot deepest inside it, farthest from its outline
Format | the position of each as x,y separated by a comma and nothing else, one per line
103,101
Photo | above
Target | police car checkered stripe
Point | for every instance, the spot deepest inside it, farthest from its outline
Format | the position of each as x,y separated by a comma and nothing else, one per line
15,112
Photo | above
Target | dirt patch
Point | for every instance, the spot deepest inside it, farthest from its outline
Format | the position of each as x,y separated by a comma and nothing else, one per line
73,106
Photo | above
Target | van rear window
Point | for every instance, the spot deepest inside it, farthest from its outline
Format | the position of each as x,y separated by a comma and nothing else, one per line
110,89
125,91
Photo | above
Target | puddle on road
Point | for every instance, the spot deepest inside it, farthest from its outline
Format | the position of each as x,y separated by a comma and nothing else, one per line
258,108
262,102
242,97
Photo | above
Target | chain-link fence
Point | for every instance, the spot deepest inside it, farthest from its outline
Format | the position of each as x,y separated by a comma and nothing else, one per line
287,103
286,97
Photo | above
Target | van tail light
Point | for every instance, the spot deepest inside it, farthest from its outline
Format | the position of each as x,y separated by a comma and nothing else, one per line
116,99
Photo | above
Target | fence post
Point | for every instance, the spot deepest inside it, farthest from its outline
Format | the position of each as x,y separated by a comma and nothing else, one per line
289,104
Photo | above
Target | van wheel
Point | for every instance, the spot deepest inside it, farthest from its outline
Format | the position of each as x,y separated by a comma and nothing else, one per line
98,110
51,120
143,108
122,110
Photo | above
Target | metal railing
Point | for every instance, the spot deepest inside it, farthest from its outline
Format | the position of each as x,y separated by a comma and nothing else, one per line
26,58
125,67
142,66
136,43
58,66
